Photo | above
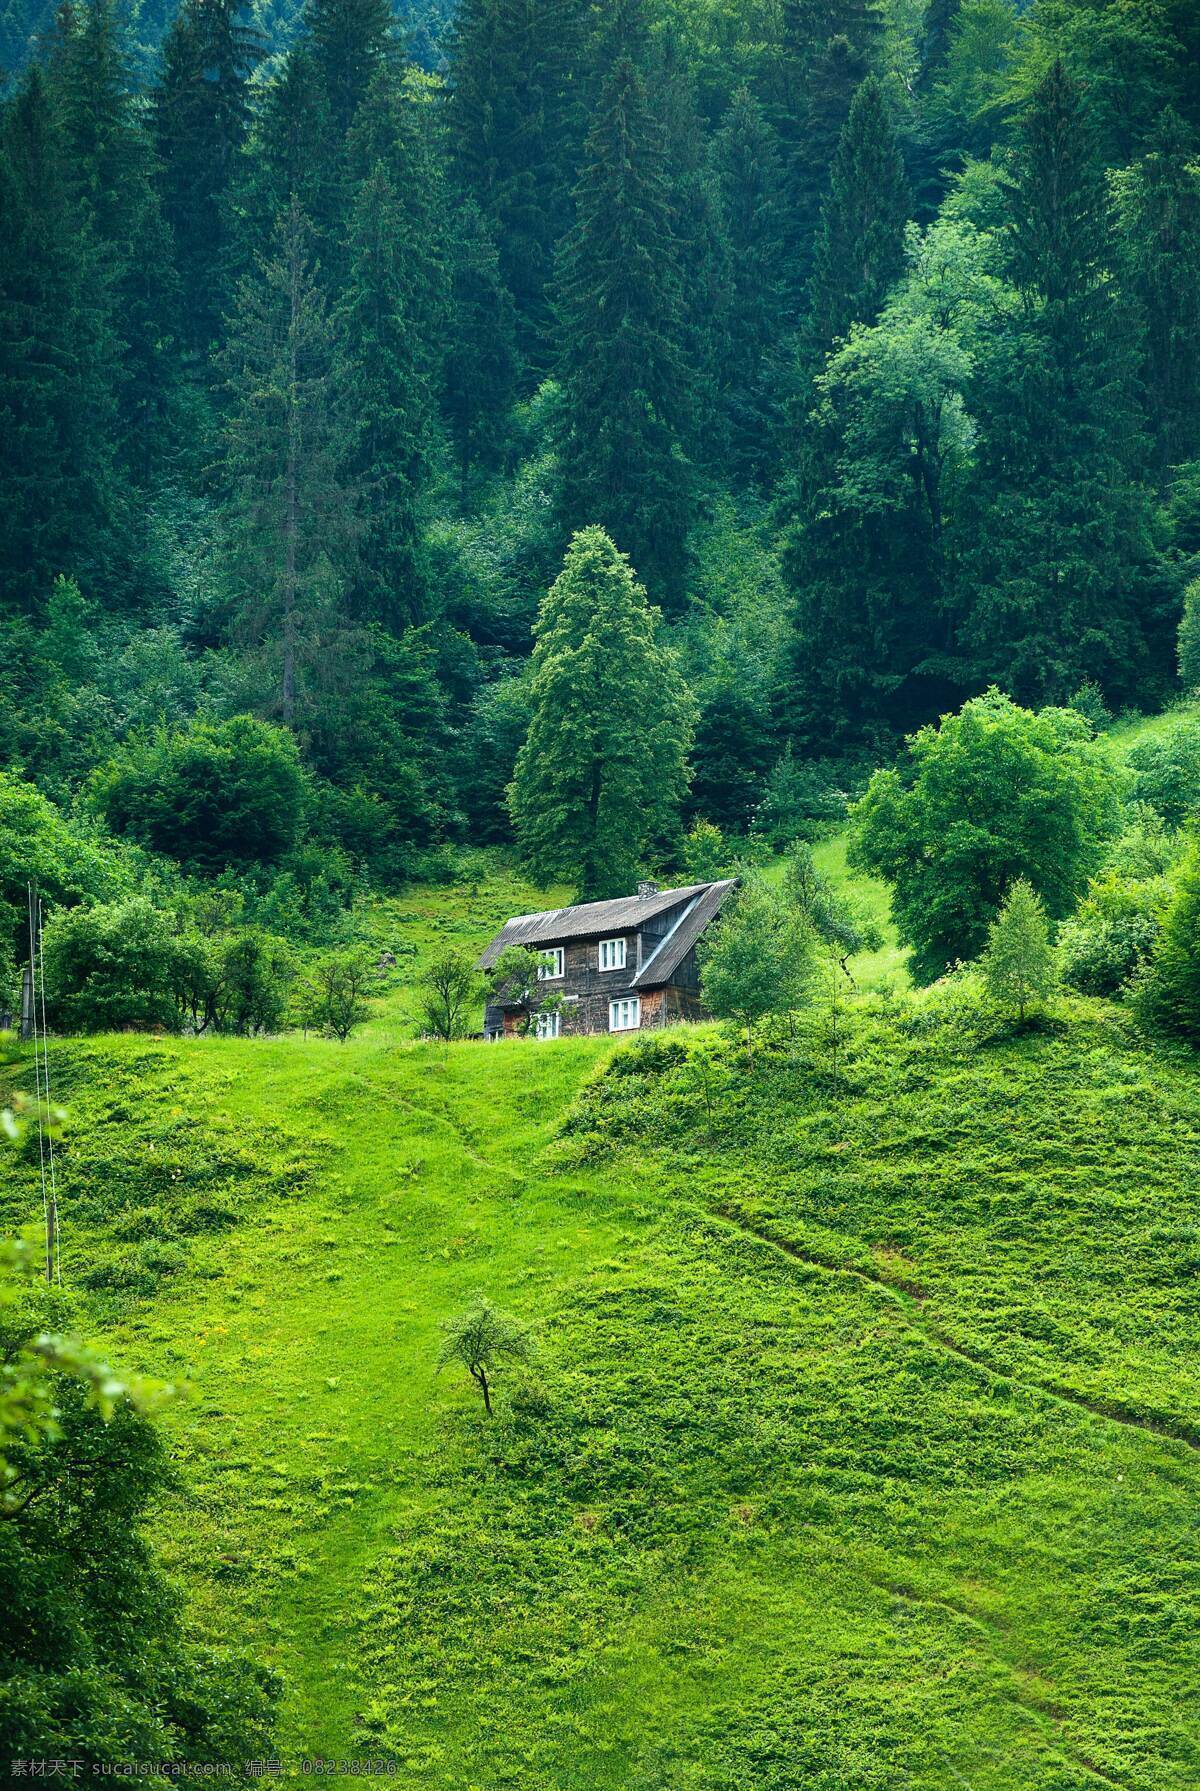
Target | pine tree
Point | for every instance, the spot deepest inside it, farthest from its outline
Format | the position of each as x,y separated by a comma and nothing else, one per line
859,249
700,246
1018,963
517,124
348,41
384,396
600,777
1158,208
1055,593
59,365
289,510
288,156
620,324
749,175
481,363
201,113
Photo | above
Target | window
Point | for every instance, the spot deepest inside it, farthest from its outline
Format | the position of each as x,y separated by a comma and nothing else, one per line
546,1025
624,1015
551,972
612,954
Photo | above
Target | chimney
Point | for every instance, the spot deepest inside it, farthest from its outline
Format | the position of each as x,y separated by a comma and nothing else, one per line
646,888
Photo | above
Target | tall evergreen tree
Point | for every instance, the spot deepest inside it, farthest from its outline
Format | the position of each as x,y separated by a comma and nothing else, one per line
288,156
859,250
517,116
602,772
481,362
620,330
289,510
700,245
1158,209
348,40
749,175
385,398
59,361
1059,579
201,111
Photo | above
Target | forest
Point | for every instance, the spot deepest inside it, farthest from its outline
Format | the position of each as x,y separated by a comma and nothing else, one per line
460,458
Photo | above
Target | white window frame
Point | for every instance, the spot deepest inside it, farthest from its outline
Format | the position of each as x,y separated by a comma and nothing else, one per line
611,954
546,1026
545,973
616,1020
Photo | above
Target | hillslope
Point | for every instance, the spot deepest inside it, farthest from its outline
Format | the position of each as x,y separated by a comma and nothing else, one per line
861,1452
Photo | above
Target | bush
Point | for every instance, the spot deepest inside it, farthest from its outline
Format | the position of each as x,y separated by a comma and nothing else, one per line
706,853
1112,937
1170,994
111,967
994,794
218,794
66,859
1167,772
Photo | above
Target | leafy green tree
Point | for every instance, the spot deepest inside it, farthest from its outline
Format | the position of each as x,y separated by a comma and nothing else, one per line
603,768
68,860
518,979
1018,964
1171,995
111,967
1109,941
838,921
625,389
706,854
994,794
1166,769
478,1339
449,987
859,250
756,961
252,972
215,794
201,116
1189,638
334,994
1158,217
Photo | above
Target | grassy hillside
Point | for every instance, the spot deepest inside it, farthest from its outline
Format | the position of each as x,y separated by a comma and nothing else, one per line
861,1452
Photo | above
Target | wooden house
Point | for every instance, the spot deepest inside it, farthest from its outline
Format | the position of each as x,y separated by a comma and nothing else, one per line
619,966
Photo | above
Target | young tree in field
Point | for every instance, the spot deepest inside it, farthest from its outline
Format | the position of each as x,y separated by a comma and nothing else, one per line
333,997
518,979
625,385
757,961
994,794
603,768
478,1339
1018,963
448,987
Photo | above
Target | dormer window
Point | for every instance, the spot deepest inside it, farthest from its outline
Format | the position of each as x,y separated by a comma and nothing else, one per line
552,970
612,954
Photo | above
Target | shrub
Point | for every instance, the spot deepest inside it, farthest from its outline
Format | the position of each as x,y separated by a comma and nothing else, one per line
994,794
1170,995
705,852
217,794
66,860
112,966
1167,772
802,798
757,960
1112,937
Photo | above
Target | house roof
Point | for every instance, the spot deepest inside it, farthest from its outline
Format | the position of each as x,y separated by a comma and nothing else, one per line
667,957
591,920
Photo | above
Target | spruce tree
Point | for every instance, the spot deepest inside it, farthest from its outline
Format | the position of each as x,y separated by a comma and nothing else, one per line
289,511
859,249
288,156
348,41
620,331
481,362
1018,963
749,175
1158,210
602,772
384,396
59,365
201,115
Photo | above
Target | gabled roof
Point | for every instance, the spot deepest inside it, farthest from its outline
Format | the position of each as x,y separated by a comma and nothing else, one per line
666,959
593,920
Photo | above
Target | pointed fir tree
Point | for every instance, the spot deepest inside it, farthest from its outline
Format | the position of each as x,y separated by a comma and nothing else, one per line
60,498
348,41
700,246
748,170
602,772
201,116
384,396
620,331
289,511
287,155
859,249
481,361
1018,964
